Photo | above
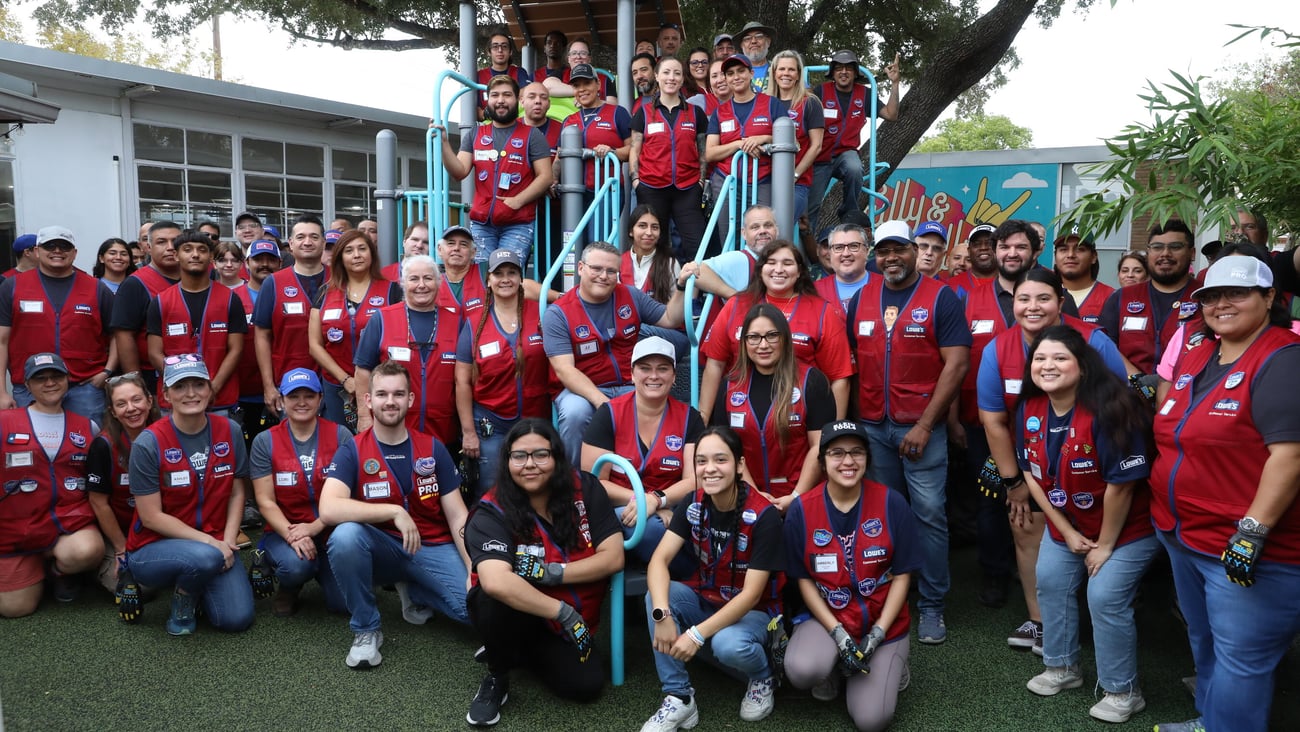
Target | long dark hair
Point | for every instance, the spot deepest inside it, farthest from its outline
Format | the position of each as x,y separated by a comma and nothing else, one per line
803,284
338,276
731,526
489,303
99,269
1279,313
786,372
1116,409
512,499
661,276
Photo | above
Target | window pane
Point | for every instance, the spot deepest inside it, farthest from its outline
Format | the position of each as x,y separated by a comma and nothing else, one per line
349,165
305,196
154,211
164,144
209,187
370,161
304,160
220,215
416,174
352,201
261,192
161,184
263,155
206,148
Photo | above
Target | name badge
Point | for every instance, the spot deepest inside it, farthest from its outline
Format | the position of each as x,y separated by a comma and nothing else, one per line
376,490
829,113
503,181
487,155
286,479
1036,471
654,128
586,349
826,563
488,350
727,125
178,479
866,328
1011,386
19,459
332,314
1132,322
981,327
124,479
31,306
177,329
737,420
293,308
399,353
1167,407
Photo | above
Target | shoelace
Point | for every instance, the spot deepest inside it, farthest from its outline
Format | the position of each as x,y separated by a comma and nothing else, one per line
363,639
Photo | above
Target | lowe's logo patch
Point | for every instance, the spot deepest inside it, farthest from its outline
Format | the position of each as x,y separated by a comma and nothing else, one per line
838,599
1227,405
1083,464
1132,461
1082,500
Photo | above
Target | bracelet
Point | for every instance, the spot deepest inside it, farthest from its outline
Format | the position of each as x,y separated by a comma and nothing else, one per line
695,636
681,286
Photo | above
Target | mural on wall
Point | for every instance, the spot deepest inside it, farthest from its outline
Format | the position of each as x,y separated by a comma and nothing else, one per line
962,198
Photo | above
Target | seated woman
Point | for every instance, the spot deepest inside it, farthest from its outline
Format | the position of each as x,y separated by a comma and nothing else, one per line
773,403
544,543
817,327
728,600
288,465
656,433
845,541
185,536
47,526
1080,438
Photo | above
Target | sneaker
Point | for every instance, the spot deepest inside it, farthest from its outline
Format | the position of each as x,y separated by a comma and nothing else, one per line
365,650
1029,634
66,587
828,688
1189,683
1117,708
994,592
759,700
242,541
1055,680
932,631
411,612
1038,646
485,710
675,714
1191,725
285,603
181,621
251,516
906,680
480,655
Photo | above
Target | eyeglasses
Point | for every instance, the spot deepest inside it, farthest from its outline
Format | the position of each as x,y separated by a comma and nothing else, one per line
57,246
601,271
248,227
839,453
699,62
1173,248
755,36
499,47
1234,295
47,375
520,457
772,337
579,54
853,246
130,376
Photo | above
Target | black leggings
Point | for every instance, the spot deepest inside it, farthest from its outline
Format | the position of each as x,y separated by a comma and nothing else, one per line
682,206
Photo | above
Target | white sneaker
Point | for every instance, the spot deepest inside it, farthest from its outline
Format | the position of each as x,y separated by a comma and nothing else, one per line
906,680
828,688
365,650
673,714
1117,708
412,613
1055,680
759,700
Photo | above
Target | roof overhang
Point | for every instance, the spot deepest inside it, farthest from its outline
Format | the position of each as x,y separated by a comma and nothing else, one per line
19,104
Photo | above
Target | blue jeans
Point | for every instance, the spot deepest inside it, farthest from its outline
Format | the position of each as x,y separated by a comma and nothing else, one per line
1110,601
294,572
1238,634
739,649
362,556
573,412
489,238
845,167
654,531
83,399
489,461
923,482
800,208
196,569
332,401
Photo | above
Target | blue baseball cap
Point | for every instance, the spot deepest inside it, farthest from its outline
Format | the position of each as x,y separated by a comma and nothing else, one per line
932,227
271,231
24,242
38,362
332,237
300,378
264,246
185,366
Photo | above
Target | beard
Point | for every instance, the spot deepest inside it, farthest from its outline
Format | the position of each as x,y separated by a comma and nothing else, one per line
506,117
1169,278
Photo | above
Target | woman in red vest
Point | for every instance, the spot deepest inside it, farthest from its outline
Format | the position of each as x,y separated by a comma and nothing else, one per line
1081,438
732,595
648,263
355,291
809,123
1132,269
1223,488
845,540
543,543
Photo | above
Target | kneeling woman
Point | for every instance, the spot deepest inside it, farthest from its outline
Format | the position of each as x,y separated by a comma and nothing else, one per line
188,475
852,544
1080,434
734,535
544,543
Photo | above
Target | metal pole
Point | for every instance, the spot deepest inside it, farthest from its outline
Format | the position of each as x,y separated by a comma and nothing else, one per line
386,194
468,102
784,148
572,186
626,44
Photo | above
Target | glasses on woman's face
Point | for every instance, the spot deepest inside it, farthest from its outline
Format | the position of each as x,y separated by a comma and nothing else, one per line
772,336
228,261
1234,295
519,458
699,62
839,453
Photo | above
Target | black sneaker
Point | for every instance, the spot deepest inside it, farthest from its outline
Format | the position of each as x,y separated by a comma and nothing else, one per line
66,587
485,710
994,592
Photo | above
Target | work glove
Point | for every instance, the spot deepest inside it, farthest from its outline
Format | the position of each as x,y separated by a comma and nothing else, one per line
1239,557
575,628
852,661
536,571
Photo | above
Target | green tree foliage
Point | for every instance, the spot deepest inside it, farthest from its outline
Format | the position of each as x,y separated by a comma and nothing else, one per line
994,132
10,29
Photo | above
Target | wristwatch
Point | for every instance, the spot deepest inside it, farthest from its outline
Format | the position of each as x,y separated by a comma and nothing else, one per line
663,498
659,614
1248,525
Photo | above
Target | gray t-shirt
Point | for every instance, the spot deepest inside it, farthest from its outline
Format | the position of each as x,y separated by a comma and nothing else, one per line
144,466
49,430
260,458
538,147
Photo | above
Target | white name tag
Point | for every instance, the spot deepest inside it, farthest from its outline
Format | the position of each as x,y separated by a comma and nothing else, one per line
829,113
19,460
376,490
178,479
124,479
1134,322
488,155
31,306
979,327
177,329
1011,386
286,479
654,128
399,353
727,125
1167,407
826,563
332,314
293,308
586,349
488,350
1036,471
737,420
866,328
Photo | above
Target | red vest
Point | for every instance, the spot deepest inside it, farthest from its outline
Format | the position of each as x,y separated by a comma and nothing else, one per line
731,130
855,590
1210,455
1138,340
969,282
42,499
843,126
808,321
775,467
606,361
289,322
76,332
485,75
732,559
670,156
899,368
801,137
120,499
154,282
297,492
341,329
987,322
473,293
551,129
209,342
663,464
376,484
1090,308
500,175
1078,490
601,130
200,502
249,373
433,378
1012,350
392,272
627,274
497,389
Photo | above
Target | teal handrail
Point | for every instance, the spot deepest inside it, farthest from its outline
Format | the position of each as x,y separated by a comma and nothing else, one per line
873,167
437,178
617,642
558,264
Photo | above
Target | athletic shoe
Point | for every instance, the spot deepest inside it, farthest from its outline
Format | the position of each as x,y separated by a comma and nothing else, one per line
675,714
251,516
1038,646
906,680
932,630
994,592
759,700
181,621
285,603
1055,680
66,587
412,613
365,650
1029,634
1117,708
828,688
485,710
1191,725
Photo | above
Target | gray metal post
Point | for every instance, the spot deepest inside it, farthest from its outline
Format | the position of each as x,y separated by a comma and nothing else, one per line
626,44
783,150
468,102
572,186
386,194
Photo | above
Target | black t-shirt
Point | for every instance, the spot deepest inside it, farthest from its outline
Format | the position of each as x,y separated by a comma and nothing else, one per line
767,544
99,466
818,399
487,535
196,303
1274,402
132,306
600,430
1162,307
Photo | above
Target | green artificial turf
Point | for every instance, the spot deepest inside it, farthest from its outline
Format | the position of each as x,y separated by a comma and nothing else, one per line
77,667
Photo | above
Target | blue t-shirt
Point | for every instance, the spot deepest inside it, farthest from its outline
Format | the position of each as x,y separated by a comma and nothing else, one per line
346,468
988,382
908,552
949,319
734,268
264,307
465,344
555,326
846,290
423,326
1115,466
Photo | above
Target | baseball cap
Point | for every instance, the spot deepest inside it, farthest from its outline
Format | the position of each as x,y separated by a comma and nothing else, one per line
456,229
332,237
55,233
300,378
1064,239
185,366
38,362
895,231
981,229
24,242
264,246
738,58
1236,272
271,231
721,37
504,256
654,346
842,428
247,215
933,227
582,71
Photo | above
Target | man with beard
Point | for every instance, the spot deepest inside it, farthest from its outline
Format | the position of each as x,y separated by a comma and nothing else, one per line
755,40
982,267
1076,262
132,300
606,128
282,314
1142,318
500,50
643,76
511,163
913,348
553,46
